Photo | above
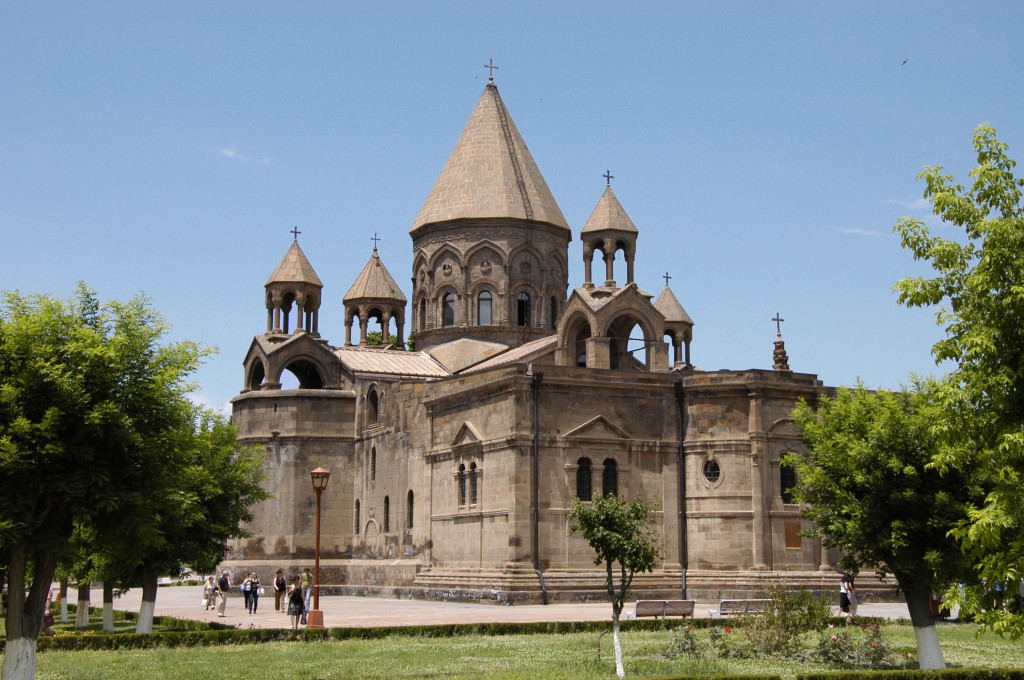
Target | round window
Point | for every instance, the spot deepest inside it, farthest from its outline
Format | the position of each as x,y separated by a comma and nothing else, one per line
712,471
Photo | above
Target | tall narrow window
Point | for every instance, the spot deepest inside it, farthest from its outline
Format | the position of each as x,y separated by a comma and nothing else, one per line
448,310
408,509
462,484
787,480
584,485
483,308
387,514
423,314
357,518
610,478
472,484
373,463
523,309
372,407
552,312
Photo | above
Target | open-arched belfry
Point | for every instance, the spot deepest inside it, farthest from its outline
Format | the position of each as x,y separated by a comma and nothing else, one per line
454,460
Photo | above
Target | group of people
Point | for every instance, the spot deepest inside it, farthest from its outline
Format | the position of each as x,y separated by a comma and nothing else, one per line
294,596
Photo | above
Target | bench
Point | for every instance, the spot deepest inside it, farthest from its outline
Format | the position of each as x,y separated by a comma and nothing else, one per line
734,607
661,608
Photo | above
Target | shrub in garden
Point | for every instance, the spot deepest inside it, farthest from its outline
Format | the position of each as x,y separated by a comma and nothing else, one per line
789,614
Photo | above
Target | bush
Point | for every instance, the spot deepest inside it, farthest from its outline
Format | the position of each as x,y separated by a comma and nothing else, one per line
789,614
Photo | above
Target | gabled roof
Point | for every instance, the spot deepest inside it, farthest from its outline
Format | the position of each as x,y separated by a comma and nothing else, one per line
670,307
375,282
294,268
458,354
522,354
609,215
490,173
389,362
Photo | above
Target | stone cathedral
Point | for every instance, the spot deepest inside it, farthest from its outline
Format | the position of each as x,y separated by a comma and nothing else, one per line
454,464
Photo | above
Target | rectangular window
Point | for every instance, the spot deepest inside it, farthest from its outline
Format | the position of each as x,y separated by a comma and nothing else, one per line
793,536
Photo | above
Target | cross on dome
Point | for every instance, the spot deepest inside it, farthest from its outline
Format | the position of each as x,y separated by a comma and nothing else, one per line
295,232
666,277
490,65
375,239
608,177
778,324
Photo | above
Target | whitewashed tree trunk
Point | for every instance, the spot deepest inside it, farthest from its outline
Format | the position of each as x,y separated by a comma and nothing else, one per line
19,659
620,669
82,615
148,606
63,600
929,653
108,607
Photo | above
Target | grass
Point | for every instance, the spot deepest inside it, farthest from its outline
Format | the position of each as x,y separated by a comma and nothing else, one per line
473,656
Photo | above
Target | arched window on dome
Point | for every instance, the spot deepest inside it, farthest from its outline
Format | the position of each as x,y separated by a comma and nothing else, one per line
423,314
552,312
357,528
448,310
462,484
387,514
408,509
484,308
523,309
472,484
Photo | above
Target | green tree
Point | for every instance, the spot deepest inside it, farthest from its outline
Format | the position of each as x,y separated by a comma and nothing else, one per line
619,534
85,392
866,474
374,338
978,293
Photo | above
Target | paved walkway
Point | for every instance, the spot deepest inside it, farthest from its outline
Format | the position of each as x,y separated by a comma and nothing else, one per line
341,611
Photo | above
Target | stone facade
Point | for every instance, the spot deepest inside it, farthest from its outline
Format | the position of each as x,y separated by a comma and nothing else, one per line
454,466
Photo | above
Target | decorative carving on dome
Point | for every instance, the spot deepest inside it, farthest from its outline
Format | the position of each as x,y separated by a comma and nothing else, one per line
447,268
485,267
525,267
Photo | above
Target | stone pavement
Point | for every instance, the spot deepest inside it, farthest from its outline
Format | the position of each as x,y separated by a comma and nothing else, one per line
342,611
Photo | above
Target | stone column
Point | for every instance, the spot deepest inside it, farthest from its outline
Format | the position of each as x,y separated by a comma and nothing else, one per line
588,259
270,317
609,265
758,465
599,352
363,322
348,330
385,327
300,311
629,267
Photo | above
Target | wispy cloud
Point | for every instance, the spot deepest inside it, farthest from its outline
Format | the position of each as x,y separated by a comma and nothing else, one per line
915,204
233,153
857,231
204,401
229,152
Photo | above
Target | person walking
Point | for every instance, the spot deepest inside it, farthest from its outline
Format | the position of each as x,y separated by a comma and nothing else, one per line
247,593
254,592
223,586
844,593
280,589
307,590
296,606
209,594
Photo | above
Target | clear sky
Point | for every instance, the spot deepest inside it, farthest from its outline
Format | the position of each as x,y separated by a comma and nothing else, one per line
764,151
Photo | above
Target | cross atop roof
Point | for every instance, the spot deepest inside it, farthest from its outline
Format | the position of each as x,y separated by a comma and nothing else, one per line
375,239
608,177
490,65
778,324
295,232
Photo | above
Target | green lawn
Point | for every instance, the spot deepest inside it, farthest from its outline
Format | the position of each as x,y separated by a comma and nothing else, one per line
473,656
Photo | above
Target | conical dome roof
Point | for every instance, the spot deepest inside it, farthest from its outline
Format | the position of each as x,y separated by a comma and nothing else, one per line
295,268
609,215
490,173
374,283
670,308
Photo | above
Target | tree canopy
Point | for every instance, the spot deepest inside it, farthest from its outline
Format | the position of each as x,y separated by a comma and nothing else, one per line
866,474
98,440
977,291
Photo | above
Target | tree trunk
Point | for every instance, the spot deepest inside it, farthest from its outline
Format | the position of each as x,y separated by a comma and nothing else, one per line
25,613
108,606
929,653
145,624
64,600
82,615
620,669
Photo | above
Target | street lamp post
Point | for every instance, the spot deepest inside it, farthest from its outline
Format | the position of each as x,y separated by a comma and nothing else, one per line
315,618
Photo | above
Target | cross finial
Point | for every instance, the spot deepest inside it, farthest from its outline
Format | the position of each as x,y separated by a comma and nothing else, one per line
666,277
608,177
490,65
375,239
778,324
295,232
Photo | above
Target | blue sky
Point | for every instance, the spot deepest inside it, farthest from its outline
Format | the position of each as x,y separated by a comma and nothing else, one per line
764,151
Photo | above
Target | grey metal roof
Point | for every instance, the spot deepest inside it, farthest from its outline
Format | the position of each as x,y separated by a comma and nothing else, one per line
389,362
